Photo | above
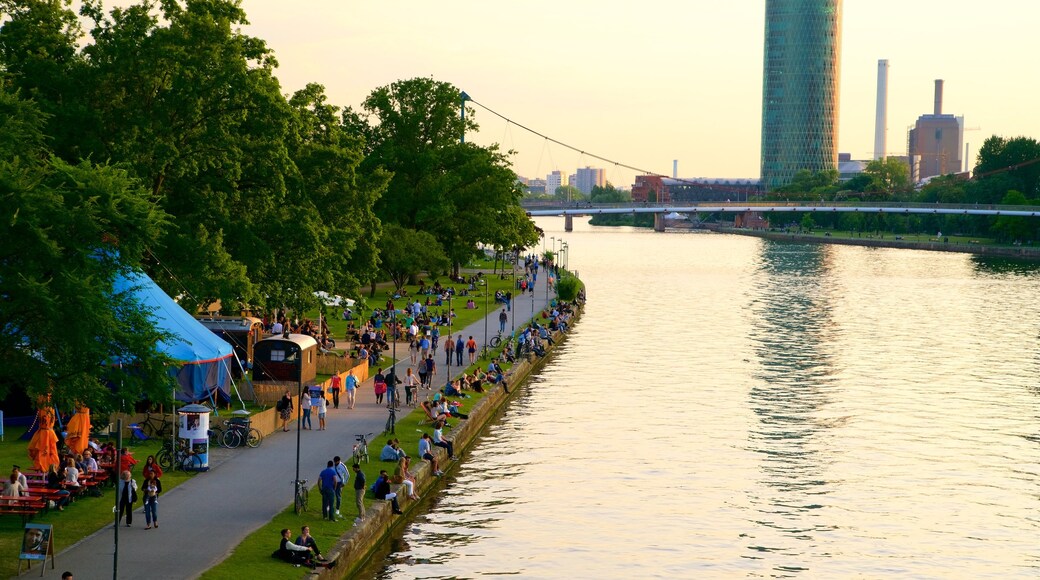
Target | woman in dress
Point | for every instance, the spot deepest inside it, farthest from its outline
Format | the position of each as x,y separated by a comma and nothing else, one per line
413,351
379,385
285,409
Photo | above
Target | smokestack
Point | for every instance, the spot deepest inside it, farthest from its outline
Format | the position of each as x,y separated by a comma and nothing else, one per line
675,169
881,118
938,96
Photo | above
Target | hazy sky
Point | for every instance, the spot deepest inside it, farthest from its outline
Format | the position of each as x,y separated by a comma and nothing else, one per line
643,83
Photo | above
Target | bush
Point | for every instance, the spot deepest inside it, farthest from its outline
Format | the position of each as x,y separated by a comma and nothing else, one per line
568,288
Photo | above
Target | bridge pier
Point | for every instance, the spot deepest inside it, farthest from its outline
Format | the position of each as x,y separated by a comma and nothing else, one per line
568,223
658,222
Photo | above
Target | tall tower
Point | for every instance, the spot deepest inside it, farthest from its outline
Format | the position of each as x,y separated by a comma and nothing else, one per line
800,88
881,119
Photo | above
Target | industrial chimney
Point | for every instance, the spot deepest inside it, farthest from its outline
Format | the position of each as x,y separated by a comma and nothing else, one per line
675,169
938,96
881,119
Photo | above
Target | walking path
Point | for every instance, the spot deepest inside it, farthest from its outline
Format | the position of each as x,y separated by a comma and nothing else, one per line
204,518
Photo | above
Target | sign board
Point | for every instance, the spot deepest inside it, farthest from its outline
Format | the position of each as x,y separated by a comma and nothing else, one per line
37,544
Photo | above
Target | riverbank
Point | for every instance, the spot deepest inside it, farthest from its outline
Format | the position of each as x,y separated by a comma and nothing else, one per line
1022,252
361,542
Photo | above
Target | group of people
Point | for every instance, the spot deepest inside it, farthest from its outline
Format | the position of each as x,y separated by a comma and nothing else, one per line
129,492
315,401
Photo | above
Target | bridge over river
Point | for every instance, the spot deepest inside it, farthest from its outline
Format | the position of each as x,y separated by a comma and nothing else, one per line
571,209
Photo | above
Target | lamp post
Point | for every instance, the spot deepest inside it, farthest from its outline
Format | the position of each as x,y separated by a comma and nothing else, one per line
447,369
299,412
486,313
392,382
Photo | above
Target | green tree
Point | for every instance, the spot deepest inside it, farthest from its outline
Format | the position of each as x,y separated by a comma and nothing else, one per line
807,222
1015,229
1017,159
609,194
405,253
568,287
569,193
461,193
69,231
889,176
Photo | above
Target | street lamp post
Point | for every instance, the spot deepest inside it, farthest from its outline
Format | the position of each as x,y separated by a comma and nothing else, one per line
299,411
487,313
447,368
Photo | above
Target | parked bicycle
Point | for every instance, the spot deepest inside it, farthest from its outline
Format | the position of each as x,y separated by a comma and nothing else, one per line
495,340
238,433
181,457
156,425
361,448
301,496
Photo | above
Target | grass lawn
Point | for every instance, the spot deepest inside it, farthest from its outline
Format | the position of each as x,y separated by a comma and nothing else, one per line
252,557
464,317
82,518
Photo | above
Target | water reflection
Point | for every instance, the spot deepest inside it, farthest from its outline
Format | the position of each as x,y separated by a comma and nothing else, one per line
1005,266
792,330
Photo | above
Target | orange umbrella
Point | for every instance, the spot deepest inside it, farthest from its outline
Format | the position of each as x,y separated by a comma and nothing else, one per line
78,430
43,448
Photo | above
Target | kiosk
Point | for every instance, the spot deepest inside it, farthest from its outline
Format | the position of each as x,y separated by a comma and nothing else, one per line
193,434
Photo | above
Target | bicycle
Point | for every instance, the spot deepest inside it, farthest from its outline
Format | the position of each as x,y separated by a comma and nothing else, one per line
391,419
156,425
238,433
301,495
361,448
495,340
183,457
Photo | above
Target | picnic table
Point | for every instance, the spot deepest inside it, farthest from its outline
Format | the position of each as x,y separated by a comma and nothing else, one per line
26,506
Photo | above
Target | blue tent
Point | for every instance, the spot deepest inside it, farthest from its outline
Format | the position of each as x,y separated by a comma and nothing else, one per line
202,356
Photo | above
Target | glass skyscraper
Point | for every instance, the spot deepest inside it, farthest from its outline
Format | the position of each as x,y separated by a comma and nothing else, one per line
800,88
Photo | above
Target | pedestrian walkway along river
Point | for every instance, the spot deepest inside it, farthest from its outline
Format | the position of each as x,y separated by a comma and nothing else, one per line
207,516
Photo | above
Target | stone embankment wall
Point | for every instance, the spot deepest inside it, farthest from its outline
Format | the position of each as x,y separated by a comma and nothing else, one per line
1026,252
360,542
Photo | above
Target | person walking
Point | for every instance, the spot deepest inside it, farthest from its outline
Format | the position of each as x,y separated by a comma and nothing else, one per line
359,492
284,407
127,497
152,489
350,385
503,318
305,404
431,370
327,481
459,347
335,386
323,408
449,350
341,472
471,347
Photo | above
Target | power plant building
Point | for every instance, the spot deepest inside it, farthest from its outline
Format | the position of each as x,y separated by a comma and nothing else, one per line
801,73
934,144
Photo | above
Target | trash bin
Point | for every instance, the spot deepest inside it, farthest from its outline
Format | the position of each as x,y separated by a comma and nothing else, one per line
193,433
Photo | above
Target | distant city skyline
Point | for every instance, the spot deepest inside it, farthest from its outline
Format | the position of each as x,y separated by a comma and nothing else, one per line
643,84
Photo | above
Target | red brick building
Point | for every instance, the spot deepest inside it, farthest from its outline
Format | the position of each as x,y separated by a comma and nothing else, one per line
650,183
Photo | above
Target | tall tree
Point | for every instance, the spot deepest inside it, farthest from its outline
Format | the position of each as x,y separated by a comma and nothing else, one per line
459,192
69,230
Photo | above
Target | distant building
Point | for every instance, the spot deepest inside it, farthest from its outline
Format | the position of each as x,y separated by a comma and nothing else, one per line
801,72
588,177
700,189
934,144
536,186
553,181
645,184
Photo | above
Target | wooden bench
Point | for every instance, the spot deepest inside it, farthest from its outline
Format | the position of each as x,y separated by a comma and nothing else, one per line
27,507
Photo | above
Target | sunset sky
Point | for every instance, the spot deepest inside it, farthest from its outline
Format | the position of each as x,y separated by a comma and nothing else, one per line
643,83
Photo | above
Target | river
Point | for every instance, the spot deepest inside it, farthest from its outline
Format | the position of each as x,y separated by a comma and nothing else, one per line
731,407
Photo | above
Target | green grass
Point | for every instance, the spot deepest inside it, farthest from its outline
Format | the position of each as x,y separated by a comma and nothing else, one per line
82,518
252,557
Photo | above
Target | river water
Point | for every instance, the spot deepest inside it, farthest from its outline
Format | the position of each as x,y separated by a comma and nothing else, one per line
730,407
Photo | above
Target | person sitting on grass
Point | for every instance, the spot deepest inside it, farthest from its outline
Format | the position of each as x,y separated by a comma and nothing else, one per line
440,441
298,555
431,413
451,409
306,540
391,451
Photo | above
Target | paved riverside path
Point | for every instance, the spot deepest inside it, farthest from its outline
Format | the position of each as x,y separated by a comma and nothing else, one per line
203,519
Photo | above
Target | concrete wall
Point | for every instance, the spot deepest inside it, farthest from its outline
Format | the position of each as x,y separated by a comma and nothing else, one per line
355,547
